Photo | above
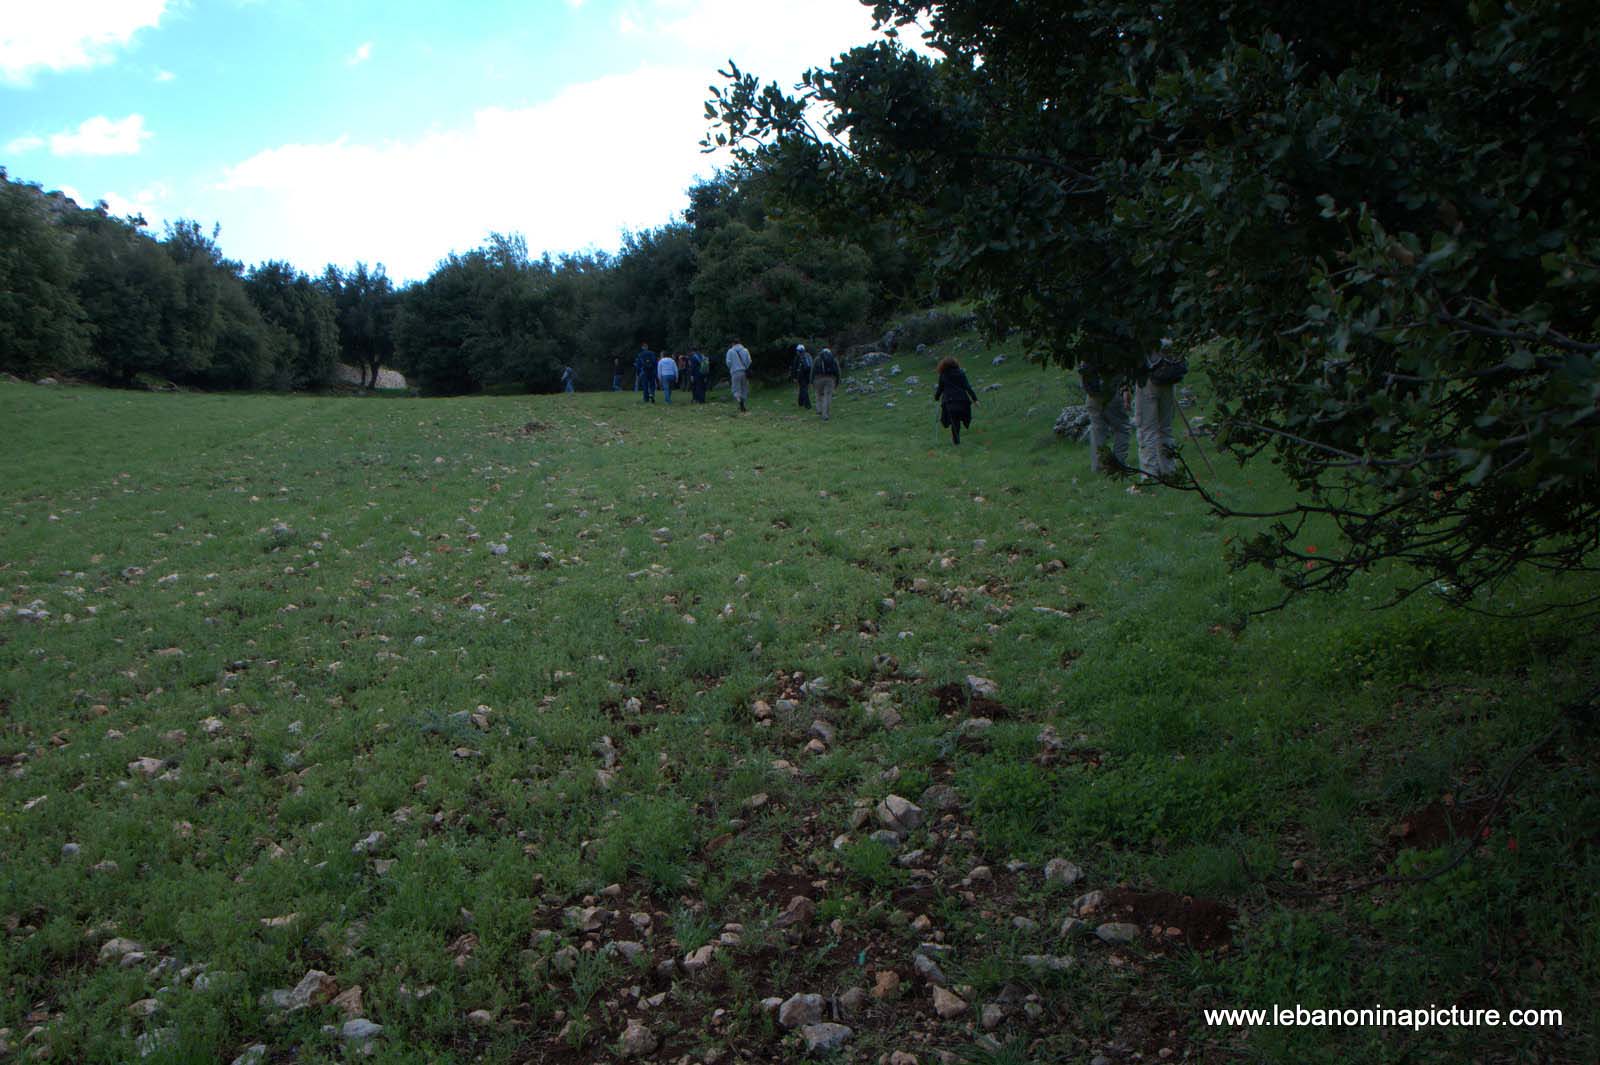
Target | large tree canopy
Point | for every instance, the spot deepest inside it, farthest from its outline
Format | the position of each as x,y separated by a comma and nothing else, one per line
1386,212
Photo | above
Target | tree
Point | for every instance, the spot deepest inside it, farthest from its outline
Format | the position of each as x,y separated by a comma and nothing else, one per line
287,299
42,324
776,287
366,306
1386,212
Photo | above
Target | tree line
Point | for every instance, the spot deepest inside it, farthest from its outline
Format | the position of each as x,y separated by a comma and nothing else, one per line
87,293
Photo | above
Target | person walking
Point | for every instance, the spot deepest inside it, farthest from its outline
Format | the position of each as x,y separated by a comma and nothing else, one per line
569,379
1154,408
738,360
699,370
616,375
1109,428
800,373
955,396
666,375
825,375
644,371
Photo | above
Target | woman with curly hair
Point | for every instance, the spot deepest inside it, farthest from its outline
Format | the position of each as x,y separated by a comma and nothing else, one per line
955,396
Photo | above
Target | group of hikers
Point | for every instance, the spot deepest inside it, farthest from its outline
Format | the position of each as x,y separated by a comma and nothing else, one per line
1108,395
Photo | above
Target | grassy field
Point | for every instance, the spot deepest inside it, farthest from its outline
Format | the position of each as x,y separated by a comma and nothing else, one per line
499,712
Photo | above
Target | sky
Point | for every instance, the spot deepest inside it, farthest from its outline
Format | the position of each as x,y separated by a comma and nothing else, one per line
388,131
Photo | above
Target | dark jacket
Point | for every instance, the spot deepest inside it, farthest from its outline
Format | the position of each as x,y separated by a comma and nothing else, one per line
644,365
954,390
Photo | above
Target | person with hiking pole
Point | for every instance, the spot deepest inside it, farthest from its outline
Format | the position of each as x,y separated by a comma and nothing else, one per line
955,396
738,359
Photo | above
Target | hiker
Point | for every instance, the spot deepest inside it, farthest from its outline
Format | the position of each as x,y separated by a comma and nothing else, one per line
738,359
1104,398
683,367
569,379
699,372
1154,408
800,372
616,375
667,375
956,397
644,371
825,373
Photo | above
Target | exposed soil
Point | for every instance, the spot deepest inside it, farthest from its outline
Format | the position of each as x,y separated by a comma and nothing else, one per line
1200,923
1439,823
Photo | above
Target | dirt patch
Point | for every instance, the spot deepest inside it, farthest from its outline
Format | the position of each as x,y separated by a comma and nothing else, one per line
1439,823
1200,923
953,699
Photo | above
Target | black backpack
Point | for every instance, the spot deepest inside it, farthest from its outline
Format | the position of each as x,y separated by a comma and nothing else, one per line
1168,371
828,365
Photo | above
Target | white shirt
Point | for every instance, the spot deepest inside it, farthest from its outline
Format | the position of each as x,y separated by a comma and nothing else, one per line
738,359
667,367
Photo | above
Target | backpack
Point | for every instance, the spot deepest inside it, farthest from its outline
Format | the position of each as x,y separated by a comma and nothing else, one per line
830,365
1167,371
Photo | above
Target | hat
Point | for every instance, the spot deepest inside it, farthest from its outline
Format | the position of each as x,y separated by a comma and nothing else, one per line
825,351
799,347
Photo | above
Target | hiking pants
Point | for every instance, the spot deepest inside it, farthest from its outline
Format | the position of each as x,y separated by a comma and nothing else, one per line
1154,408
825,387
1108,426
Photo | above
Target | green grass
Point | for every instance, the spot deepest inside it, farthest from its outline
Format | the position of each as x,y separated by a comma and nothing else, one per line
315,574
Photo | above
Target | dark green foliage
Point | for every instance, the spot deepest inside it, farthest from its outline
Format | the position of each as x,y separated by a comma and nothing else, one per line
365,306
41,321
304,312
1385,212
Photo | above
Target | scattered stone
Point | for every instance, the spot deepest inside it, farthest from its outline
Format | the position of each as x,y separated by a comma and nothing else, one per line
147,766
151,1042
800,1009
637,1041
941,798
314,988
1073,423
825,1037
346,1002
822,731
992,1016
1060,871
902,1057
886,838
982,687
369,843
853,1001
947,1004
899,814
69,850
886,985
480,1018
929,970
974,727
1117,933
1049,963
697,960
117,949
1024,924
1089,903
144,1007
798,913
359,1030
1073,927
253,1055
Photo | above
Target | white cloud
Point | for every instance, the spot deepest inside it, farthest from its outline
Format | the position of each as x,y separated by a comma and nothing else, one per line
101,136
626,24
165,76
146,202
569,173
362,54
68,34
25,143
